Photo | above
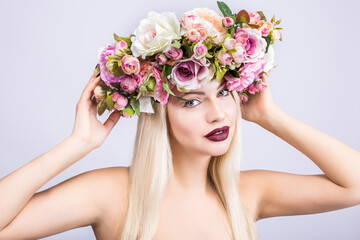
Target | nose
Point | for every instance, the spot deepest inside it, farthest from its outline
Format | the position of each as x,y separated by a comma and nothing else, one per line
216,111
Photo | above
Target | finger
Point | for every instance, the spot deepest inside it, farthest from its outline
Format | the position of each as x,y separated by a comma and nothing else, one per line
112,120
89,88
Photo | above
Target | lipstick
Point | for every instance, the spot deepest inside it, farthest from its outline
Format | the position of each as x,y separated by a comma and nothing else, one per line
218,134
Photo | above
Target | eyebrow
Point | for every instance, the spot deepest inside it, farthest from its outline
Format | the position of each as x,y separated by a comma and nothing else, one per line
202,93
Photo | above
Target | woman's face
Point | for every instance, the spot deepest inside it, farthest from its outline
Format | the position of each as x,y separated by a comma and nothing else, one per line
191,120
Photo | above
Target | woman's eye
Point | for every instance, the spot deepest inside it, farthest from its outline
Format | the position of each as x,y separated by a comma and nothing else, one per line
189,103
226,92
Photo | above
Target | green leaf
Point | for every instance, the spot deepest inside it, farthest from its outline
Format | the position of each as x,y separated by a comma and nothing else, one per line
101,107
268,41
262,16
234,73
109,102
232,32
224,9
96,71
168,69
135,104
273,19
167,88
128,111
187,50
278,22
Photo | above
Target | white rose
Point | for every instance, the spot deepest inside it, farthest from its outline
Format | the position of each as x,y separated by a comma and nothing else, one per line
155,33
269,59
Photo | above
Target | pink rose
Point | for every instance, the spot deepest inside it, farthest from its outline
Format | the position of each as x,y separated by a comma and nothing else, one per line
255,45
260,86
105,72
128,83
130,64
247,73
174,53
252,88
241,36
265,27
224,57
229,43
254,18
161,58
200,50
228,21
192,73
120,101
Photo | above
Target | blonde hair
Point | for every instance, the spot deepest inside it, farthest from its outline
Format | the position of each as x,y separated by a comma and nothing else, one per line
152,169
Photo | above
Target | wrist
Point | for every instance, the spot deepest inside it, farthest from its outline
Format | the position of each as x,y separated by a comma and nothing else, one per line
79,142
269,119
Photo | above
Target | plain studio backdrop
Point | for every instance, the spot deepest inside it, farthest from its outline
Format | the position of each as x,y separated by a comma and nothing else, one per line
49,51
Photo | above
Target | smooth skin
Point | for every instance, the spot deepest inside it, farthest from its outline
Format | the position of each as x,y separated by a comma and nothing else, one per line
94,198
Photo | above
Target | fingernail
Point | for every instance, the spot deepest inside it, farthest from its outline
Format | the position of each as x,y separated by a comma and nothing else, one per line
96,66
98,75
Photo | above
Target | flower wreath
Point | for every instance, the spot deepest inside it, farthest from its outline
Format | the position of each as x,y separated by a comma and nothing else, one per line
164,52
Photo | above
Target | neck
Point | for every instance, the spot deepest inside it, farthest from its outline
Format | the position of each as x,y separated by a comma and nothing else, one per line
190,172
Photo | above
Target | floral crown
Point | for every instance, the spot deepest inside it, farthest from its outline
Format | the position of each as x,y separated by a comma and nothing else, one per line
165,52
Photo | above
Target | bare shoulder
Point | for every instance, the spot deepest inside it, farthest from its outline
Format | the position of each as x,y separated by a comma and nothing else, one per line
114,191
251,191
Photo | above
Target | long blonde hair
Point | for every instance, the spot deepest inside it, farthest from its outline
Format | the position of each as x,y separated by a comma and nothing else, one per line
152,169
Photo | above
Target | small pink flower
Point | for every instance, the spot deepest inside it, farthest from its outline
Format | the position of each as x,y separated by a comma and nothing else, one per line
265,27
120,101
128,83
241,36
130,64
228,21
244,98
252,88
230,43
224,57
276,35
254,18
174,53
200,50
260,86
121,47
161,58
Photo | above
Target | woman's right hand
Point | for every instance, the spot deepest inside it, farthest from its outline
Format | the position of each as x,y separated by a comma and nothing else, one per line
87,127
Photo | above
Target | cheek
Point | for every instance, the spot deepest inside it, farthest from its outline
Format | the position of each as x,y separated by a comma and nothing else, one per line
184,126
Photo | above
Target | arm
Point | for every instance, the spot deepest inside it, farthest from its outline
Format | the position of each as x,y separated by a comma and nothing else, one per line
17,188
88,199
293,194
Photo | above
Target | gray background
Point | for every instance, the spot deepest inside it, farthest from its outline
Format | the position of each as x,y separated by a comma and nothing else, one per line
49,50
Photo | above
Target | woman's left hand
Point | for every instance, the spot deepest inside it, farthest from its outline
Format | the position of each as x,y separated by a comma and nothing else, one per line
259,105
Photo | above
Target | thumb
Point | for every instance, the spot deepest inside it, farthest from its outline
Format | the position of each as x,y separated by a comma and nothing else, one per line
112,120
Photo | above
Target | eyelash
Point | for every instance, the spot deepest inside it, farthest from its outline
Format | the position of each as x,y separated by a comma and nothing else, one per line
186,104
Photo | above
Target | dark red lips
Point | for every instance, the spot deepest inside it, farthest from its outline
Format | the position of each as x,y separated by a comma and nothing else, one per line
218,134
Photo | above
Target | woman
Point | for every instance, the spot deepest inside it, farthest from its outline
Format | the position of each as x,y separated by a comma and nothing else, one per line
183,183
